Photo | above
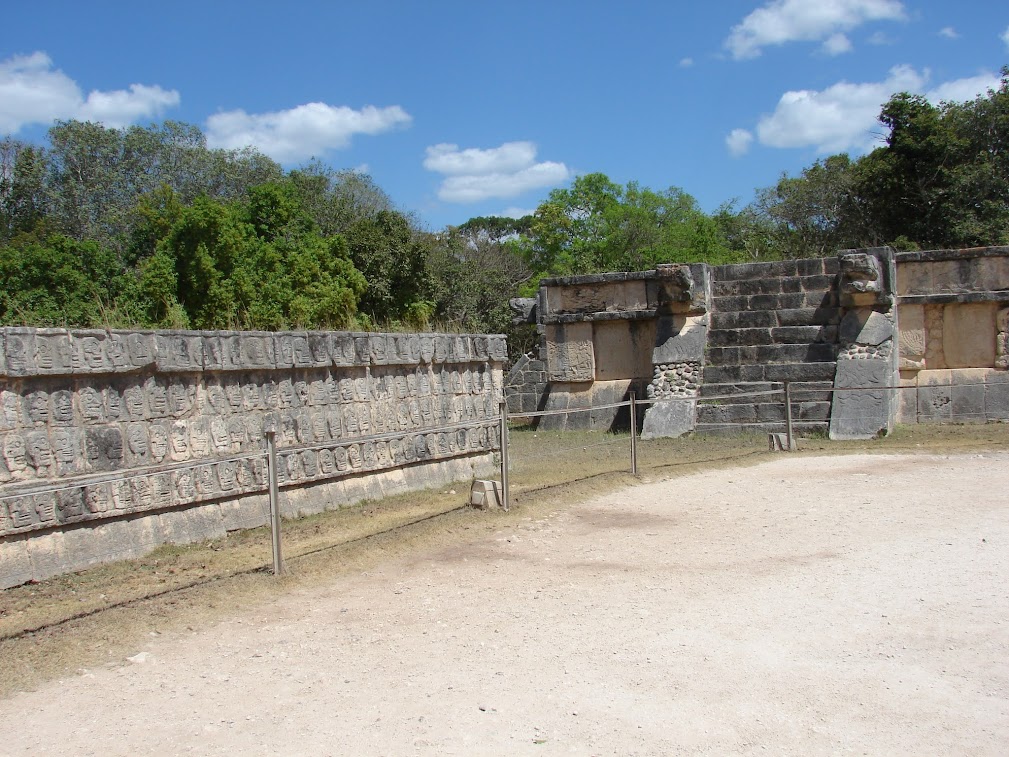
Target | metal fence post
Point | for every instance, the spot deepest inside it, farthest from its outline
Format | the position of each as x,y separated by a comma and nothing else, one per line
789,439
271,446
504,455
634,435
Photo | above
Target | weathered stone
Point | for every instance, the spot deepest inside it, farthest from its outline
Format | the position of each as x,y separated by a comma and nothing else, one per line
54,354
935,396
967,395
679,339
996,398
968,334
178,351
863,406
911,320
570,355
485,495
861,279
866,327
669,418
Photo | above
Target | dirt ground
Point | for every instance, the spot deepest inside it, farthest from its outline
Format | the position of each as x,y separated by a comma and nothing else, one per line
803,605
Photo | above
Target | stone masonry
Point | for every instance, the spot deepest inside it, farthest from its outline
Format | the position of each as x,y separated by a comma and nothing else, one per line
868,338
112,442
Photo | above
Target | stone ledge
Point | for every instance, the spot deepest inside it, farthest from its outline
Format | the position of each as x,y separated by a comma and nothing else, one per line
945,298
605,315
928,256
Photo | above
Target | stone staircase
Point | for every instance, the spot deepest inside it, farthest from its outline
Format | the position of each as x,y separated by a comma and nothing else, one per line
770,323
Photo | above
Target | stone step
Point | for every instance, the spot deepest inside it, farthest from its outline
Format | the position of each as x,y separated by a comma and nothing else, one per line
771,353
736,374
802,267
775,285
824,316
748,337
762,412
735,303
799,428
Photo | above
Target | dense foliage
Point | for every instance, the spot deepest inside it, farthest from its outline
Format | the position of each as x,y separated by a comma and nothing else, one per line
149,227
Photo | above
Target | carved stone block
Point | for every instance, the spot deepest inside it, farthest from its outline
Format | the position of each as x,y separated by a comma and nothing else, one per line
342,458
91,404
158,437
441,348
227,475
156,395
179,449
19,348
54,354
344,352
68,449
90,352
98,498
220,436
103,448
178,351
257,351
37,408
15,456
184,485
134,403
40,454
570,356
426,348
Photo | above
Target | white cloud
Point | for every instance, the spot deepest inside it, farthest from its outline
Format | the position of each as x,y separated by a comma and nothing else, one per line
962,90
844,115
475,174
303,131
838,118
121,108
782,21
738,142
879,39
33,92
948,32
1005,37
512,212
686,62
508,158
836,44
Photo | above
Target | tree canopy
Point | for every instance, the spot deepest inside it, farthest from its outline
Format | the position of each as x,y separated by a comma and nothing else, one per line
148,227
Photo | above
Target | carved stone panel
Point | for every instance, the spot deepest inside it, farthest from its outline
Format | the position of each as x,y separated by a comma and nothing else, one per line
570,357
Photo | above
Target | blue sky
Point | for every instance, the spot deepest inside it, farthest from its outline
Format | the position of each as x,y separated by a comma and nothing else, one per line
460,109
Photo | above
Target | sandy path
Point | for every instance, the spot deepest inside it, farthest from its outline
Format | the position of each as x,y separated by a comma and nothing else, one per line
803,606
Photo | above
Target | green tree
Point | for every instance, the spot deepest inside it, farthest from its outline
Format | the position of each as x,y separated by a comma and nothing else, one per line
57,281
259,264
393,259
597,225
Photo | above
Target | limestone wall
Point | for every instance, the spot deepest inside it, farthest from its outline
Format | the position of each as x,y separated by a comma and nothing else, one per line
112,442
597,335
693,331
953,314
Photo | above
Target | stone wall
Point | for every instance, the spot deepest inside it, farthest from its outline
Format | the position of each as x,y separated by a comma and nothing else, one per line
850,328
597,333
112,442
953,311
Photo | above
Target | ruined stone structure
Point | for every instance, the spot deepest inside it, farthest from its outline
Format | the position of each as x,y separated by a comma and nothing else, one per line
870,338
113,442
953,309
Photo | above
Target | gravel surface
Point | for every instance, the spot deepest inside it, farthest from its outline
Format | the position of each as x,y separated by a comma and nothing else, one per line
805,605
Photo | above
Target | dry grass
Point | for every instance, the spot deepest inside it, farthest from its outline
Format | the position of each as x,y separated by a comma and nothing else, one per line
99,616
